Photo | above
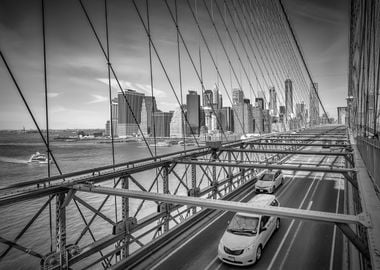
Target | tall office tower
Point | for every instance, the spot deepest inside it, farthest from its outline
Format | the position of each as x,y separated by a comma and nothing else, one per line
177,123
342,115
267,122
127,116
300,114
207,115
314,105
237,96
215,98
273,101
258,120
114,117
162,123
193,111
226,119
207,98
260,103
243,117
144,118
151,107
220,102
282,114
288,97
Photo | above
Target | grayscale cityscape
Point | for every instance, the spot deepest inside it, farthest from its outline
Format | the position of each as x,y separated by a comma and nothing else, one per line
189,134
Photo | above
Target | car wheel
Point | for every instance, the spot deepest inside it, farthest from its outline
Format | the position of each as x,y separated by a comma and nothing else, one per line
259,252
277,224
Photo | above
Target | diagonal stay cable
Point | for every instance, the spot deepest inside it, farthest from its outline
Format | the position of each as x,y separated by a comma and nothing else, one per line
164,69
212,57
113,73
194,66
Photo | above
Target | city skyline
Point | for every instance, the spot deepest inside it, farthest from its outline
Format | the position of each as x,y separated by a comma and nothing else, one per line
77,81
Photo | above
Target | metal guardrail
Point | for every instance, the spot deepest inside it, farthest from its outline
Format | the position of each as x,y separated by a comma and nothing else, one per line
370,151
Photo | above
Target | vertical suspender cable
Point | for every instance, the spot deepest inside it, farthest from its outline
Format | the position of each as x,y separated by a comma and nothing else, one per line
46,116
151,77
110,98
180,78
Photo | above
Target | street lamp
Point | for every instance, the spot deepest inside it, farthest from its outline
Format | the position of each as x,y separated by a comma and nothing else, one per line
349,99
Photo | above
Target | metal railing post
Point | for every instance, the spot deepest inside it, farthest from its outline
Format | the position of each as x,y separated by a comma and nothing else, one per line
165,178
125,216
194,183
61,230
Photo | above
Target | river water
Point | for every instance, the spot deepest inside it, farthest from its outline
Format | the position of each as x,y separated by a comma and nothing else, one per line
16,149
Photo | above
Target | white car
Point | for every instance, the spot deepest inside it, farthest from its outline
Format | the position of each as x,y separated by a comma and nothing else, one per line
247,234
269,181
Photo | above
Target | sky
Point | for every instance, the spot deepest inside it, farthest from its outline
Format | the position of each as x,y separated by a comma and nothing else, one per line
77,76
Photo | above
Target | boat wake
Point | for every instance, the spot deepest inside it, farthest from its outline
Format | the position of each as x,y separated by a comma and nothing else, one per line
13,160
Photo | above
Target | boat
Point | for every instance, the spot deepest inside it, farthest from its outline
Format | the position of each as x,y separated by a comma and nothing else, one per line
162,144
38,158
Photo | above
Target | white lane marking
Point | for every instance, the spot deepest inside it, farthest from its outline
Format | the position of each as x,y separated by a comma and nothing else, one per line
334,234
211,263
294,237
290,226
191,238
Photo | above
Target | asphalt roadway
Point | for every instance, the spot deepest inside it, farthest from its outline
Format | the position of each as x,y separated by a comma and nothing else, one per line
296,245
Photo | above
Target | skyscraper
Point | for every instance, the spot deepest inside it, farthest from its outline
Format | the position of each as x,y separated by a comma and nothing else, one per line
288,97
260,103
215,98
177,123
243,117
226,119
193,111
162,123
207,98
128,115
151,107
237,96
314,105
273,101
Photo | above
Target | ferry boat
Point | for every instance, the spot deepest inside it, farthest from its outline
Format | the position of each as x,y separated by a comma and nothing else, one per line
162,144
38,158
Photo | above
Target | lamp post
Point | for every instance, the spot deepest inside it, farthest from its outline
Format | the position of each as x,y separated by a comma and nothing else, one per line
349,99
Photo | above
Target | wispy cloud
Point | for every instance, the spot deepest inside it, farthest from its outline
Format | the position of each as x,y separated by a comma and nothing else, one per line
97,99
53,95
158,93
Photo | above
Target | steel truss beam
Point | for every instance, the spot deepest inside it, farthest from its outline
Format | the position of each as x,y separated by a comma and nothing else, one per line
341,220
349,174
295,144
229,205
274,151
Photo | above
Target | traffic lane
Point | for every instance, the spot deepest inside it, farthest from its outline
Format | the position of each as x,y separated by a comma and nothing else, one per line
296,196
315,244
202,249
196,253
